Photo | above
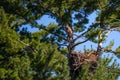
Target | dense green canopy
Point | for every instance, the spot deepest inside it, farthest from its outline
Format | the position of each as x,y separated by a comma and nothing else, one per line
45,54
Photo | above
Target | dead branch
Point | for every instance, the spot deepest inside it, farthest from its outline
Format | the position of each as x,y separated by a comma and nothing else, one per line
27,45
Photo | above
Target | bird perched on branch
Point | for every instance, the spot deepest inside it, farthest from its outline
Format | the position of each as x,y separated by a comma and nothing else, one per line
69,31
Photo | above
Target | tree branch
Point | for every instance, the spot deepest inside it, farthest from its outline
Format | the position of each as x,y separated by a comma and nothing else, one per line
117,70
80,42
55,34
83,33
28,45
106,50
62,44
99,4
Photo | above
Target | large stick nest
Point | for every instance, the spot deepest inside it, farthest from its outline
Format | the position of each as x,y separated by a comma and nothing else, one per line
78,59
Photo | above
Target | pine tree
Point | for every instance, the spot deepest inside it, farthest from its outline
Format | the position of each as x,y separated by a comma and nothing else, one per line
49,53
23,56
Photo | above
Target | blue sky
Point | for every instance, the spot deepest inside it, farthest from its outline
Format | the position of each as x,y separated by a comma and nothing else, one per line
46,20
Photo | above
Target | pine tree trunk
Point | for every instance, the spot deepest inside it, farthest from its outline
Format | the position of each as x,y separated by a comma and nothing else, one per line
73,72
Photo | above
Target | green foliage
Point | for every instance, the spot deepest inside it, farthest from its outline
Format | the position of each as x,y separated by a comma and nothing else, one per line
102,71
14,64
92,34
50,63
19,62
110,13
118,51
33,56
109,47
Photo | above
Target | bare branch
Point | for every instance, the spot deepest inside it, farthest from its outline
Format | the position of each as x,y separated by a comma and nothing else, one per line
28,45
